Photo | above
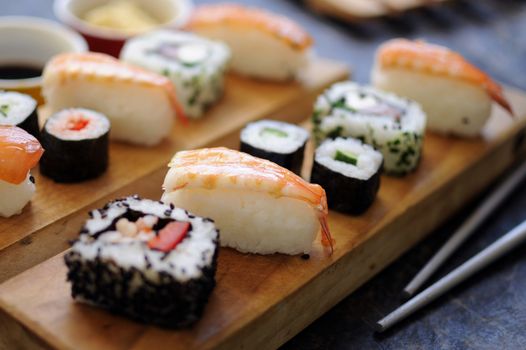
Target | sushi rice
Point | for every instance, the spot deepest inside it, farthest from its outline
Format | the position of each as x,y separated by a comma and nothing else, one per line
274,136
14,197
19,153
279,142
196,66
392,125
259,206
368,161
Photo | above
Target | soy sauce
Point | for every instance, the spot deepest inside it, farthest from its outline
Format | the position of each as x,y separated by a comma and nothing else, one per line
13,71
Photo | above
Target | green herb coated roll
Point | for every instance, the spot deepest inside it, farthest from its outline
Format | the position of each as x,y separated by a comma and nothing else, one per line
76,144
279,142
392,125
349,171
196,66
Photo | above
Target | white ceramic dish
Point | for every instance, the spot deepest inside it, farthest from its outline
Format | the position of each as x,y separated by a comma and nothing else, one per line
33,41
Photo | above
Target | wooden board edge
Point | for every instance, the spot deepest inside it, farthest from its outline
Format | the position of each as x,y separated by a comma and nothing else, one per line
289,317
17,336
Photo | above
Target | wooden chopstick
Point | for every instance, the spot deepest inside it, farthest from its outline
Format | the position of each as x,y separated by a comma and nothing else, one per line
467,228
500,247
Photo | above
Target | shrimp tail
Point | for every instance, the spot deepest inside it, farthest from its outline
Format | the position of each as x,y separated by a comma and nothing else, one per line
326,238
495,91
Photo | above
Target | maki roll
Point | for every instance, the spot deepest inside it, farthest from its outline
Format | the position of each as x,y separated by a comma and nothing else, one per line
279,142
19,152
196,66
19,110
145,260
349,171
392,125
76,143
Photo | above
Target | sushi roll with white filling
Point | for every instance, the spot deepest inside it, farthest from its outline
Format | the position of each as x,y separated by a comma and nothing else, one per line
349,171
456,96
392,125
196,66
19,110
146,260
279,142
264,45
77,145
19,152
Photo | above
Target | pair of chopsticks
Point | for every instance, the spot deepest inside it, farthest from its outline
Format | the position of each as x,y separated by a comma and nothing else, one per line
499,248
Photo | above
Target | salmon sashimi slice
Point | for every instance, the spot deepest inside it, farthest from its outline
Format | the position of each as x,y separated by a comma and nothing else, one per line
19,152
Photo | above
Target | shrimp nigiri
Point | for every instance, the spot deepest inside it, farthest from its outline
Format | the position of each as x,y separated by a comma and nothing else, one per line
456,96
263,44
141,105
19,152
258,206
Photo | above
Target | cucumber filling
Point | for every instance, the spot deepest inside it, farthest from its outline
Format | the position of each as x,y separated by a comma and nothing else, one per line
273,132
346,157
4,110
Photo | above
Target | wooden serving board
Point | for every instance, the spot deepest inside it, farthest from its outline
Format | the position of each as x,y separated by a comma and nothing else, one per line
57,210
262,301
359,10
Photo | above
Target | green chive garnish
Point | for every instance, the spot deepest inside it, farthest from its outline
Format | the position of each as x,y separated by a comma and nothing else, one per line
346,157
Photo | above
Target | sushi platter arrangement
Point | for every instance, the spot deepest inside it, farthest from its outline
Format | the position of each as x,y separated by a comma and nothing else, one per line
360,10
141,121
193,193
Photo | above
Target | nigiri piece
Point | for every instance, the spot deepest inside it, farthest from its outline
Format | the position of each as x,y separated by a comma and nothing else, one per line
19,152
141,105
456,96
258,206
263,44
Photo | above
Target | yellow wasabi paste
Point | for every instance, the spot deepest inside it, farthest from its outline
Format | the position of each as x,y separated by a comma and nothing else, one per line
121,15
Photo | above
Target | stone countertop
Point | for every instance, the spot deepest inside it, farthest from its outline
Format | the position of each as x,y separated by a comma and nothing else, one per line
489,310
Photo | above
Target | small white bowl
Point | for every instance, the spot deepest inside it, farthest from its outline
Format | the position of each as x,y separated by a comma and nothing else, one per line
171,13
33,41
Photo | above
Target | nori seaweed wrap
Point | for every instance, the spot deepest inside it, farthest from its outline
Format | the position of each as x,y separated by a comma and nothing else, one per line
349,171
279,142
77,145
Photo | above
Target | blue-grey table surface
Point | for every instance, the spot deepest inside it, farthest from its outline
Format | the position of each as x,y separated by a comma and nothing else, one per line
489,310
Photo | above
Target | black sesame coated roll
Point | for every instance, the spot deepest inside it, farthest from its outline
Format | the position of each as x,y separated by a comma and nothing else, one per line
19,110
279,142
146,260
76,144
349,171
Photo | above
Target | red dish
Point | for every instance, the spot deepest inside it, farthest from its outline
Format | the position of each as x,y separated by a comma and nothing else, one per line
171,14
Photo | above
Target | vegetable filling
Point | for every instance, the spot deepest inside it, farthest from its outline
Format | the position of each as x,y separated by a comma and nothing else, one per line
346,157
273,132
